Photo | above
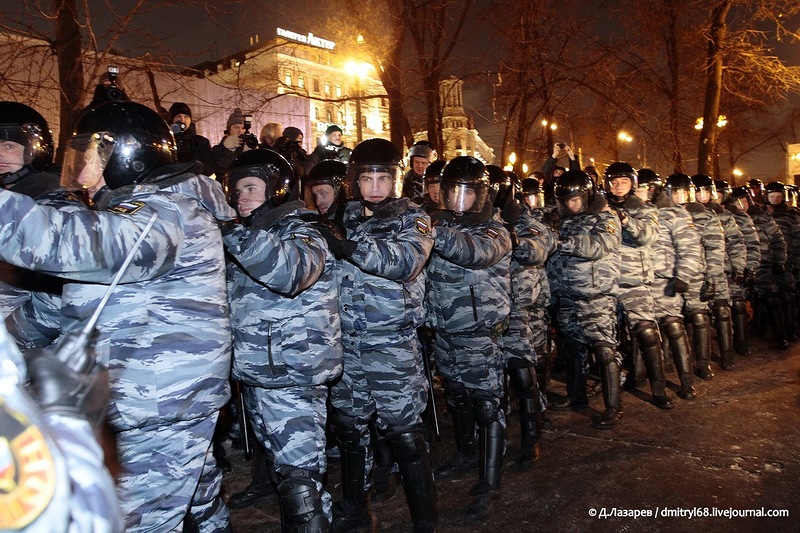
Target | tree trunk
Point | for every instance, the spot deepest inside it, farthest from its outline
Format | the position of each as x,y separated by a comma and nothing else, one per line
67,48
708,135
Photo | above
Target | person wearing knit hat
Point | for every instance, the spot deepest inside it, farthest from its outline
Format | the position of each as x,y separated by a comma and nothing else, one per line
331,147
290,146
191,146
232,143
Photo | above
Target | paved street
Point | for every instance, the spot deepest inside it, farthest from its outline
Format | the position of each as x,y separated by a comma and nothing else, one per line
737,447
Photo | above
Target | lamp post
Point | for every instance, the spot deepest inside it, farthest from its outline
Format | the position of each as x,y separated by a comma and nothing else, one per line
358,70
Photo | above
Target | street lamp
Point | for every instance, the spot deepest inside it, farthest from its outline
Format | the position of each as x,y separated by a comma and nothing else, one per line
548,135
358,70
622,137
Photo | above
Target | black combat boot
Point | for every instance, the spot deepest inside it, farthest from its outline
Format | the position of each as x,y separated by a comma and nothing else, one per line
301,502
739,318
724,327
789,314
650,343
352,513
675,332
523,379
609,375
775,311
491,438
543,381
384,481
261,489
701,342
576,377
411,452
466,456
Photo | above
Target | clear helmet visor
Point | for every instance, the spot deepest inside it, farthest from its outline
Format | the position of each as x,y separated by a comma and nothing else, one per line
433,190
461,198
85,159
741,203
644,193
775,197
703,195
680,196
573,205
320,196
534,200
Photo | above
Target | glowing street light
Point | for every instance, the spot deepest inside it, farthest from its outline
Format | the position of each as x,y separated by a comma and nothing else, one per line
358,70
722,121
624,136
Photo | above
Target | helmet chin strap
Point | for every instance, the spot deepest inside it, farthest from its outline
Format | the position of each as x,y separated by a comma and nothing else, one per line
373,205
9,178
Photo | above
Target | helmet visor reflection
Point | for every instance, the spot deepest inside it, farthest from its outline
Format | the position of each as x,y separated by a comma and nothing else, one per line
85,159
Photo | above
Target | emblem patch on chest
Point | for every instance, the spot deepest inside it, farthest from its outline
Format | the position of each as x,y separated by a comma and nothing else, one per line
127,208
422,226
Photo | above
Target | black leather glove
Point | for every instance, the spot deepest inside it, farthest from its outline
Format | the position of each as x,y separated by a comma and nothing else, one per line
511,212
226,226
514,237
707,291
60,388
676,286
738,278
621,214
340,247
778,269
441,215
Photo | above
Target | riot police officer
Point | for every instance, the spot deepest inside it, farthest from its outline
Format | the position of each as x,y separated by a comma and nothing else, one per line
639,222
123,155
584,274
468,303
283,295
381,289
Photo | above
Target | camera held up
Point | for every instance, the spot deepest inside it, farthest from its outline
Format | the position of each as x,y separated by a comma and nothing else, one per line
248,139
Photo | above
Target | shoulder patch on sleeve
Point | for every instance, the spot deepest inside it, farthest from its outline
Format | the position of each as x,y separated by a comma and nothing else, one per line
493,233
422,226
127,208
27,470
611,227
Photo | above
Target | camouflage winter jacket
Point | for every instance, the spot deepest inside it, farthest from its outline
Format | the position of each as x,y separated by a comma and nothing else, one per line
587,261
639,232
735,247
678,252
165,332
382,284
789,225
284,301
773,245
468,275
751,241
536,244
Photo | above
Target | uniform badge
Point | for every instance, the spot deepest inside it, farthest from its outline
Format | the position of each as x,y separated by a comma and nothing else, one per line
422,226
493,233
27,471
127,208
611,228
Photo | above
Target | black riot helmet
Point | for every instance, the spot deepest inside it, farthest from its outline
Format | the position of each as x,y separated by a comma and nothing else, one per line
649,182
741,198
756,187
371,157
574,184
327,172
465,185
680,188
774,187
532,194
723,190
433,174
124,142
266,165
704,188
24,125
620,169
421,150
501,182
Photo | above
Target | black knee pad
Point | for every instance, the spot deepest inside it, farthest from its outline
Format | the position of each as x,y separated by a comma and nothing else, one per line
722,311
739,307
408,446
300,499
524,381
486,410
605,354
699,319
647,334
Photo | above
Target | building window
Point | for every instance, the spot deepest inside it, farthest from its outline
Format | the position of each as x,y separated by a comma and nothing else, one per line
458,144
287,78
383,102
301,81
327,87
341,117
328,116
316,85
338,90
316,113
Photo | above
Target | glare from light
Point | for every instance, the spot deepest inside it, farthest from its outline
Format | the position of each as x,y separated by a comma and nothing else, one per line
512,158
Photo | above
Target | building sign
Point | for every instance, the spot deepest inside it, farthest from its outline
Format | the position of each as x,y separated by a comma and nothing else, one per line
311,39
